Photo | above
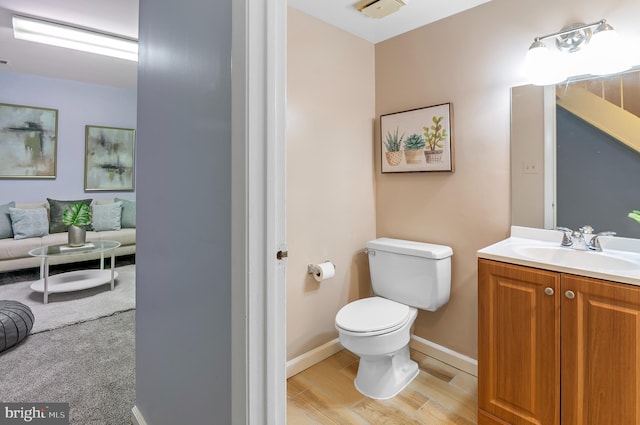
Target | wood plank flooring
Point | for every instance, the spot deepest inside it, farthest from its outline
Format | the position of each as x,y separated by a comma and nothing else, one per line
325,394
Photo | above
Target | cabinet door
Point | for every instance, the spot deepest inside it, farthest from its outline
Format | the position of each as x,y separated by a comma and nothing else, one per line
518,343
600,352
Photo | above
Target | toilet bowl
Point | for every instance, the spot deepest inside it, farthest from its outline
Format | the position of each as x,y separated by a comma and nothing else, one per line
378,331
405,276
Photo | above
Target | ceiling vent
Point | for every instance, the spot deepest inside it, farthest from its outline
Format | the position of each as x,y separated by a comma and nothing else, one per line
380,8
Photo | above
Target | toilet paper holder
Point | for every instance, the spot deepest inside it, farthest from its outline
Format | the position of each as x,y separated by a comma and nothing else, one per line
313,268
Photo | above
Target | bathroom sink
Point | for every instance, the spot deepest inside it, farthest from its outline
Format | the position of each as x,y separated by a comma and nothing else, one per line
530,247
576,259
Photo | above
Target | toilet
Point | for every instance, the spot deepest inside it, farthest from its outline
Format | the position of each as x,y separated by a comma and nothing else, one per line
405,276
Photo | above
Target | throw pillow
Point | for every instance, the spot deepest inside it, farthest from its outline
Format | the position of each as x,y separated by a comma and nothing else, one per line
29,223
128,213
107,217
56,208
5,221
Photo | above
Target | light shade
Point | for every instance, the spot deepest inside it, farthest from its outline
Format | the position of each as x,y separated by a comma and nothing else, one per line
542,67
608,52
74,38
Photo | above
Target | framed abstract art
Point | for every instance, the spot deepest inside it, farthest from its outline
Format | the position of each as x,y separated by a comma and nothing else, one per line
28,141
109,158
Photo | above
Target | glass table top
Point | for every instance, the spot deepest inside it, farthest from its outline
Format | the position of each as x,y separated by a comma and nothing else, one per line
65,249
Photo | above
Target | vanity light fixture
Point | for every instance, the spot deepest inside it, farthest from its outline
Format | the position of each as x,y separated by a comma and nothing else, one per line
579,49
70,37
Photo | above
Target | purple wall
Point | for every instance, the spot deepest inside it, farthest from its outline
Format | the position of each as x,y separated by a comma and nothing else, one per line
78,104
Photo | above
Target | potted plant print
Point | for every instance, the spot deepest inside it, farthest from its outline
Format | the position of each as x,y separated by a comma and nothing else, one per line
413,148
434,136
392,144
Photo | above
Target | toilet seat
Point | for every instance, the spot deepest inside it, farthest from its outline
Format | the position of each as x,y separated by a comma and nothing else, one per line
372,316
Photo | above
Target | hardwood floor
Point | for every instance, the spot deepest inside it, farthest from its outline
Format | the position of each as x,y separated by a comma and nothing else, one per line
325,394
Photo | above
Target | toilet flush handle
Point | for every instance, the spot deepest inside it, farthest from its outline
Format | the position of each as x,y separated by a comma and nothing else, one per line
370,252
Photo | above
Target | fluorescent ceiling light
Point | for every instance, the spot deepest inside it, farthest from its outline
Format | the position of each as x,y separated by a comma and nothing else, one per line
74,38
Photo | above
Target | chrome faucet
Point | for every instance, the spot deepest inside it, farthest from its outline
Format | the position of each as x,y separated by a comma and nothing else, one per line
575,238
578,240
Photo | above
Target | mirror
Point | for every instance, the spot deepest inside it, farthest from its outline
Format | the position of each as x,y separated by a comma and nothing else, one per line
575,154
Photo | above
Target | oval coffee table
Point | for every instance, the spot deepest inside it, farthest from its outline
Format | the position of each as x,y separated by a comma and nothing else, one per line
75,280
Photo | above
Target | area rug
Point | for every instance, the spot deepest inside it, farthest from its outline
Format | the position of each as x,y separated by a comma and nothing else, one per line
69,308
89,365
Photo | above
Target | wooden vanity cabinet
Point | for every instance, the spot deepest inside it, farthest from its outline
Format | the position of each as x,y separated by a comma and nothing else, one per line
518,345
600,345
556,348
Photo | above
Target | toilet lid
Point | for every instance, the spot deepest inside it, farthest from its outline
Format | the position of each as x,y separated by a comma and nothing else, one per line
372,314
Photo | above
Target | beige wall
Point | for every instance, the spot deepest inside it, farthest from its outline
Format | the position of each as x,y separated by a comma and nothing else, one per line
470,59
330,174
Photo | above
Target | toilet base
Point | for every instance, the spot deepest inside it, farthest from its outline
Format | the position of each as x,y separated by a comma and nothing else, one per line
383,377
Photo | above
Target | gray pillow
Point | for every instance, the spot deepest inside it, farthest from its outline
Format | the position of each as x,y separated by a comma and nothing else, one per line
56,208
107,216
29,223
128,213
5,220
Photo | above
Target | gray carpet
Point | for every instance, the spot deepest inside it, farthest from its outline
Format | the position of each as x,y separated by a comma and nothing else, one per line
68,308
89,365
86,363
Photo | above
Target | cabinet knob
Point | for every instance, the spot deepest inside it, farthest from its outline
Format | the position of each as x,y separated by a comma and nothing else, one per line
548,291
570,294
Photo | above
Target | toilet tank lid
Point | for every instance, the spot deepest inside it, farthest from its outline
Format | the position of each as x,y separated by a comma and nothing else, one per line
417,249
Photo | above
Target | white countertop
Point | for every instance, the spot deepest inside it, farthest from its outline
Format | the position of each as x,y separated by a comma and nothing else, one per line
510,251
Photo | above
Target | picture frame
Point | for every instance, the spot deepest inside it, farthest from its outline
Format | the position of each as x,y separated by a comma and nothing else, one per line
417,140
28,142
109,158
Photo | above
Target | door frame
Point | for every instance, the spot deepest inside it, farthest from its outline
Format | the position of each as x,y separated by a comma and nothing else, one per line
258,349
549,169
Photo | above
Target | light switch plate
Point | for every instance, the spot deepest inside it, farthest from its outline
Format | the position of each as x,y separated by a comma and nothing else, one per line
530,168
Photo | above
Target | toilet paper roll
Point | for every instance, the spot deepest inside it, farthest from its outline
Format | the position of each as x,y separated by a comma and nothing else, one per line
324,271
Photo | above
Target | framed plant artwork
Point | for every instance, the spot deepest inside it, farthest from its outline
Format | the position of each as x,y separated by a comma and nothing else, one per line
28,142
109,158
417,140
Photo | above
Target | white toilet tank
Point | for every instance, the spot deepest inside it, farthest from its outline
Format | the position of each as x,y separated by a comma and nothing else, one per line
412,273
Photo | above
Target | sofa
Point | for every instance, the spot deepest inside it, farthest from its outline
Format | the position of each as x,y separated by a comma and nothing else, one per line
113,220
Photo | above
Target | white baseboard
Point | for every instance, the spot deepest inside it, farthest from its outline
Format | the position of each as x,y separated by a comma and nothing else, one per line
444,354
136,417
308,359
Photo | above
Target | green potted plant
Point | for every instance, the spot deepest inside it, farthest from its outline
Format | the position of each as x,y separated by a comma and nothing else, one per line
77,216
413,148
434,136
392,144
